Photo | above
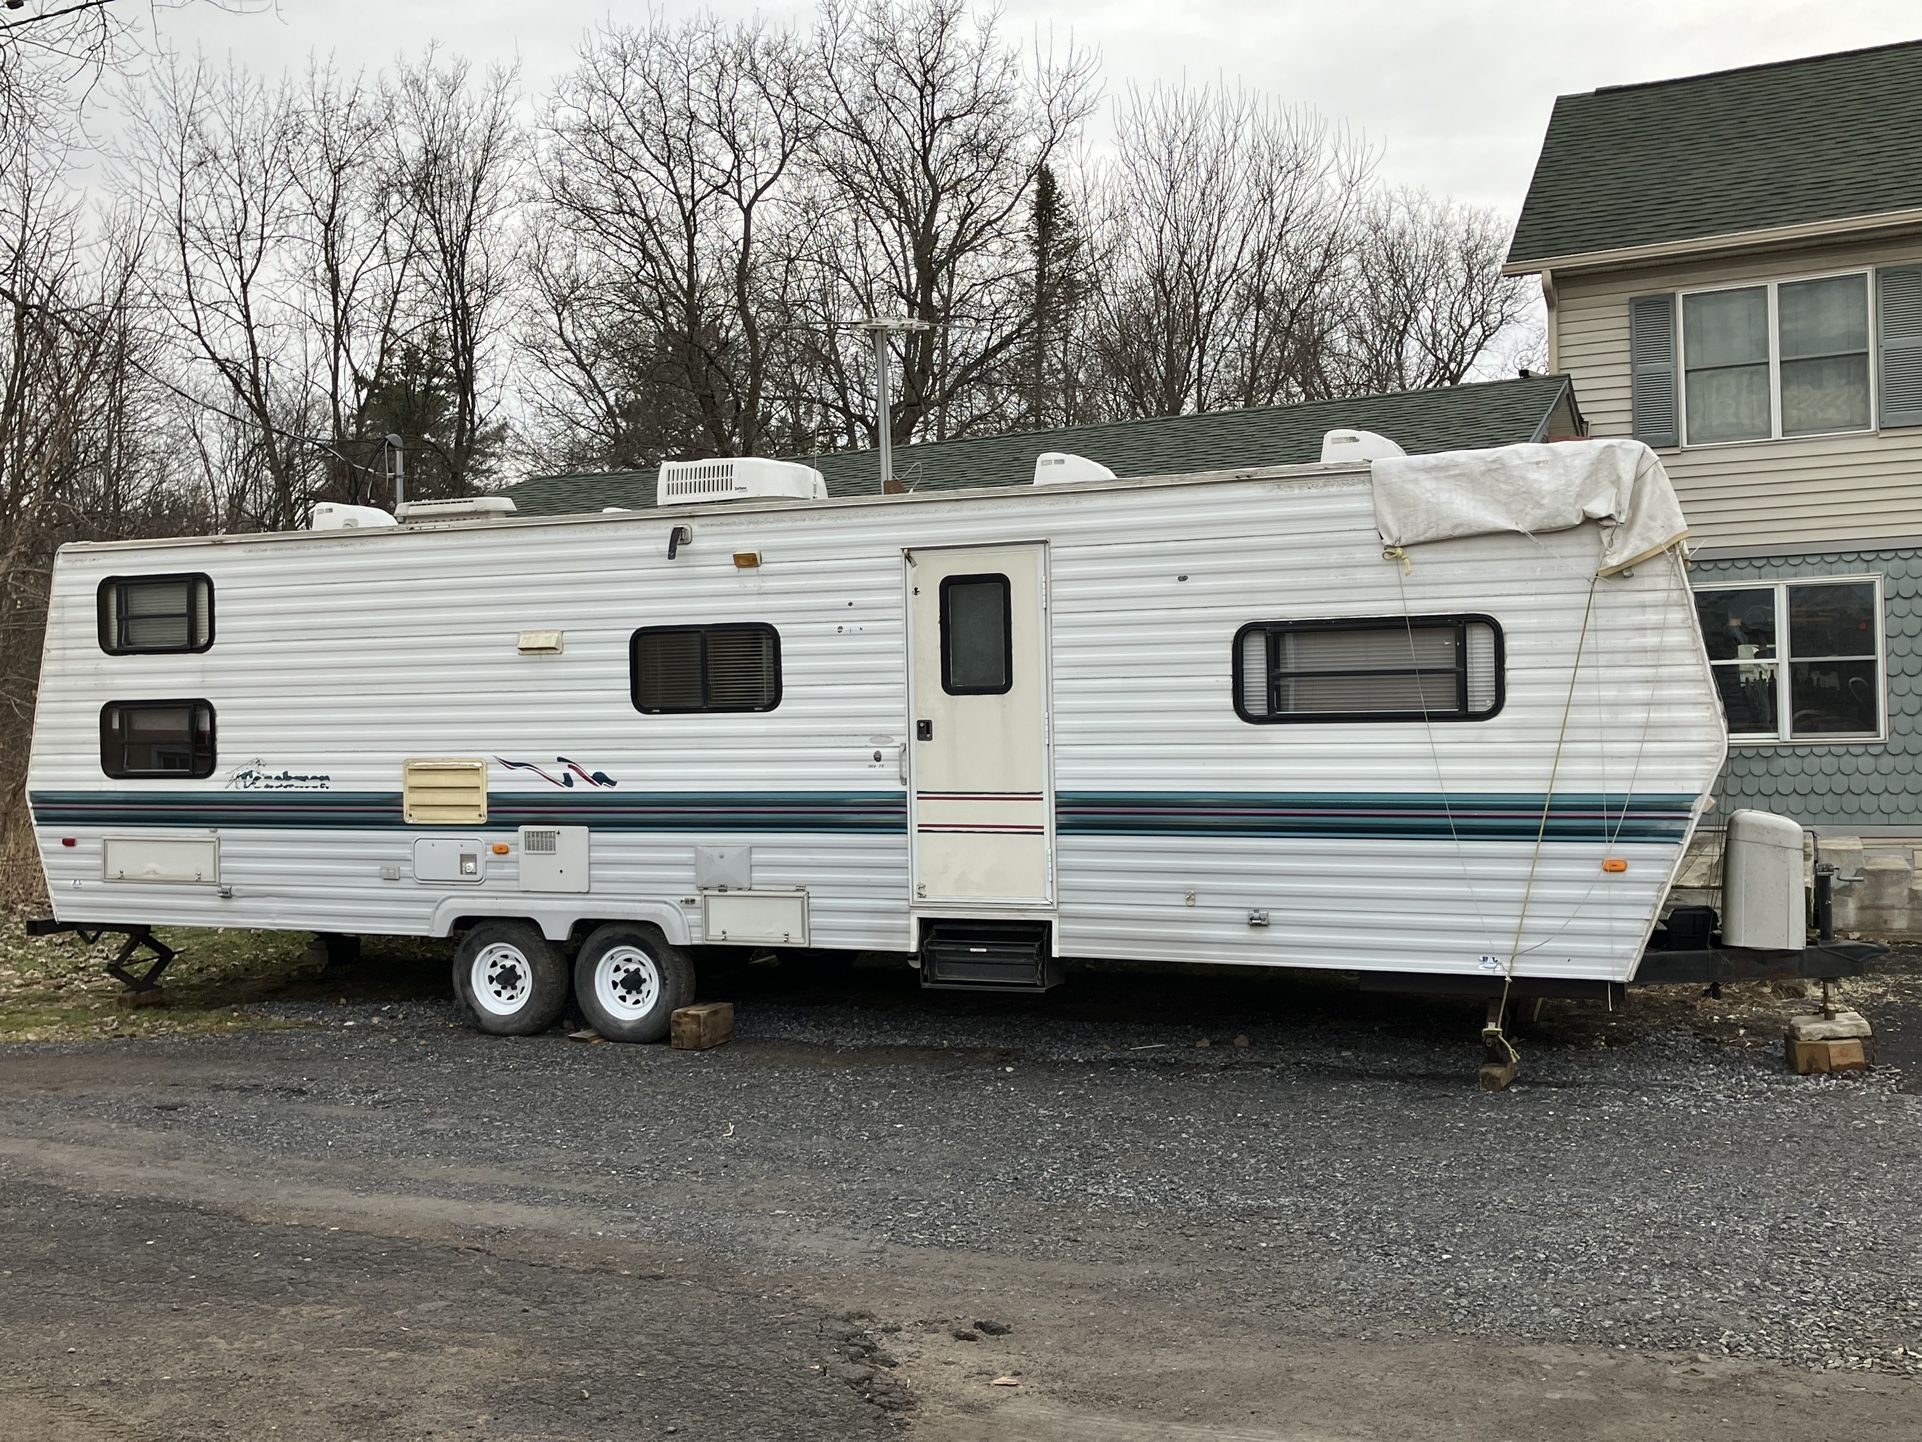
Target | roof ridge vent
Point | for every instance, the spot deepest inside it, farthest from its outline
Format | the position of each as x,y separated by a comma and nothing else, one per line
737,478
455,508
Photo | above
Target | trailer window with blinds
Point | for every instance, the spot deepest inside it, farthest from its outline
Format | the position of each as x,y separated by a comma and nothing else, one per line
680,669
171,739
156,615
1419,668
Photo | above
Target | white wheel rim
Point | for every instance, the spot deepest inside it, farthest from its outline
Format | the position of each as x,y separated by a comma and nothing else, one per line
501,979
627,982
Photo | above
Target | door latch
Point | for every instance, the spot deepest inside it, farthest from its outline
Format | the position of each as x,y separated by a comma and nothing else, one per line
924,730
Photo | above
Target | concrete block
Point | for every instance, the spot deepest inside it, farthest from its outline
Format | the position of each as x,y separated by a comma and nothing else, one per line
1843,1026
696,1028
1884,902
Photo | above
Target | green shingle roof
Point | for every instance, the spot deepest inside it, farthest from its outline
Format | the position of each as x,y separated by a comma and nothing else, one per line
1825,138
1491,413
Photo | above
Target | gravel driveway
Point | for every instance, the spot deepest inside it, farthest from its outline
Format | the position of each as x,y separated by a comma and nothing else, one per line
875,1202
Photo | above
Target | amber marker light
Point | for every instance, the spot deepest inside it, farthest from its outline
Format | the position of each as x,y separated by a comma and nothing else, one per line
747,560
1614,864
500,848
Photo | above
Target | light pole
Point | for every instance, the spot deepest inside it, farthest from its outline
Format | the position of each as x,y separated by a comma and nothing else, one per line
880,328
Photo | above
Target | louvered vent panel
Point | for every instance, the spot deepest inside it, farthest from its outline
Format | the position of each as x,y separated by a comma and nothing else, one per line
540,843
444,791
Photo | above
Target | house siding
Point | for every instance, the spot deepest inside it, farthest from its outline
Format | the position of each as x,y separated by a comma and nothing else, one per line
1873,787
1816,491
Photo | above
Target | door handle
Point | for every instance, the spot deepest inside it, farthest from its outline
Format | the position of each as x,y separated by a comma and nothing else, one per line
923,730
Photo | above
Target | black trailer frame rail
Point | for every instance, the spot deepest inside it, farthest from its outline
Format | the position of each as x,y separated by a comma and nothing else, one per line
138,938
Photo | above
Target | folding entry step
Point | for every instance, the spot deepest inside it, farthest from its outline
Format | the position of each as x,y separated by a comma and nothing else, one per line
988,956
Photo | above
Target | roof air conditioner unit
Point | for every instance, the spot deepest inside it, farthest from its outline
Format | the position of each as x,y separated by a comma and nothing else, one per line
1338,446
737,478
1053,467
460,508
336,516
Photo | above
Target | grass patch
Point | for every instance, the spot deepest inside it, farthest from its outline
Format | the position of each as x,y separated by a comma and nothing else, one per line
57,989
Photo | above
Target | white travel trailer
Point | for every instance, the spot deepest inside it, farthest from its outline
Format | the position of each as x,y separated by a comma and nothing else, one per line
1445,721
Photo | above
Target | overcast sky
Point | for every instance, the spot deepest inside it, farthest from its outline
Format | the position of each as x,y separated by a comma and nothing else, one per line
1455,94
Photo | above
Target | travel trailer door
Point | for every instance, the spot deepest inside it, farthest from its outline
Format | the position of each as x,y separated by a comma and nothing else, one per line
981,790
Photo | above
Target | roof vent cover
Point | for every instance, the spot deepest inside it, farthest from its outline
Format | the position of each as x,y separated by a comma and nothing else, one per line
1054,467
1338,446
737,478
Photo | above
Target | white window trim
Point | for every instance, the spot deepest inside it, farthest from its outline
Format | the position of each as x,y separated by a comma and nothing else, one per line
1784,705
1775,357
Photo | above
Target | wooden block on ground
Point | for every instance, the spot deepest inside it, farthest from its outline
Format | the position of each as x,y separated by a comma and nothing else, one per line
134,1000
1809,1058
696,1028
1497,1076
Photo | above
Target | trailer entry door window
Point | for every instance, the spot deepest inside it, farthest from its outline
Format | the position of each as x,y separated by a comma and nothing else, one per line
156,615
1421,668
977,636
681,669
172,739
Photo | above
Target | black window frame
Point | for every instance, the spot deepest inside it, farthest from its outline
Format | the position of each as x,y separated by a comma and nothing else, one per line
1460,621
109,745
703,631
111,635
1007,634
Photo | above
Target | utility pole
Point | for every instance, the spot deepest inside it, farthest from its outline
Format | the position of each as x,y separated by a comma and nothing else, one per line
880,328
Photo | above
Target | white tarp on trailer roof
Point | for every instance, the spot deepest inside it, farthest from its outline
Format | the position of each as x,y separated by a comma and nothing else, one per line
1618,483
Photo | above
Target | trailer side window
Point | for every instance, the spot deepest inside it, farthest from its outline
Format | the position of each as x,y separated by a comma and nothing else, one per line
156,615
1434,668
678,669
977,636
173,739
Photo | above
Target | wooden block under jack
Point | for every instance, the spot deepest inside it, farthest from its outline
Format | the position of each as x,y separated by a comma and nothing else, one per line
1808,1058
696,1028
1497,1076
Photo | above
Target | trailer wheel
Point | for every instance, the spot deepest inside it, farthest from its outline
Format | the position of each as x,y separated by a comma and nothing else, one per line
628,982
510,978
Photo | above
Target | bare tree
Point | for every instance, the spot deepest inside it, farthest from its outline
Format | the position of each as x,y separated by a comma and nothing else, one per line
460,161
667,165
213,153
1226,226
1427,298
932,133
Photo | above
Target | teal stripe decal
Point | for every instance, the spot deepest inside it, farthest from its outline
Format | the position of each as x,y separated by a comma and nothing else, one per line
1469,816
1477,816
381,810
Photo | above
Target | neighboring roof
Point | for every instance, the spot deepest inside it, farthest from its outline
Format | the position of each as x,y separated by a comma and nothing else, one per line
1491,413
1819,139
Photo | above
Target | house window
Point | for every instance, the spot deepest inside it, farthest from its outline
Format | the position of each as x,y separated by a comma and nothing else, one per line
1796,660
678,669
154,615
977,636
1790,358
174,739
1422,668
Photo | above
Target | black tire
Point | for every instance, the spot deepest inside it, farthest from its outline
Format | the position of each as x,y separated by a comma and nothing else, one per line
629,981
511,979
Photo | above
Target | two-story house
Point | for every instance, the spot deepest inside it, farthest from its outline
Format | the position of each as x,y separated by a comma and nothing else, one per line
1733,270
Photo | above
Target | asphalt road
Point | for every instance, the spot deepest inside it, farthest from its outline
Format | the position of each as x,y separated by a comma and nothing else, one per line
874,1203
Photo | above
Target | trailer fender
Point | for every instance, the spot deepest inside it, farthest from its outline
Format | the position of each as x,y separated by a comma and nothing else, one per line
557,920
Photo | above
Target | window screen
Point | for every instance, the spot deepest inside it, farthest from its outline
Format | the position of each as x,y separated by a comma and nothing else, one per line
1438,668
149,615
705,668
157,738
977,636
